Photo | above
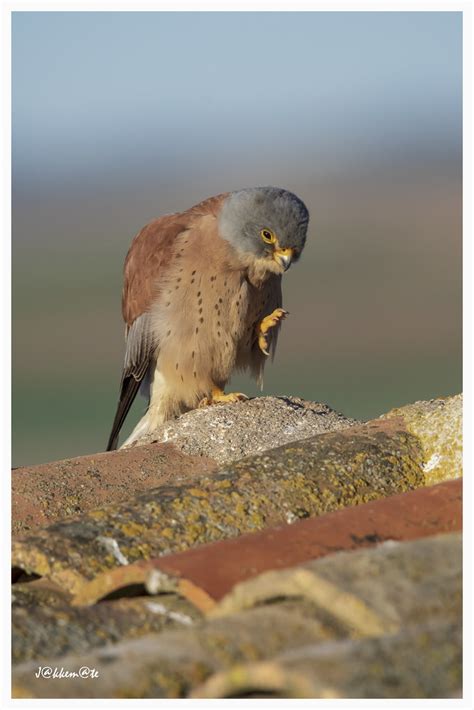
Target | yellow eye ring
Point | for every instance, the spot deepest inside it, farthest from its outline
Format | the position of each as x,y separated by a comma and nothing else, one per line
268,236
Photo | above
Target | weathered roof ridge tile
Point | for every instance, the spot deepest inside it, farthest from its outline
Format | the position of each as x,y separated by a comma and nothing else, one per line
44,625
306,478
416,586
362,601
48,492
437,424
421,662
205,573
228,432
52,491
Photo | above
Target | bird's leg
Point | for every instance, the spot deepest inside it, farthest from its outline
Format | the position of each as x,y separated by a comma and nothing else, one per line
264,326
219,397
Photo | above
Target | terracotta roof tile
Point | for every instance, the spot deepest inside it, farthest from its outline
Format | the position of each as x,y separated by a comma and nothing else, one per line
229,432
420,662
279,612
437,424
44,630
45,493
44,623
412,590
206,572
311,477
369,591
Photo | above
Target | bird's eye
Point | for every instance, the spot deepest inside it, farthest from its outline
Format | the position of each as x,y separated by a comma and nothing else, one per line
267,236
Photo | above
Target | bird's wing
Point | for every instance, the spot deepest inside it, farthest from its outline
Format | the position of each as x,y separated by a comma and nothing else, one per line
149,254
152,250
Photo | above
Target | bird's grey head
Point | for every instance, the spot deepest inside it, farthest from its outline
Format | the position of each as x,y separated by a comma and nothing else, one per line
266,223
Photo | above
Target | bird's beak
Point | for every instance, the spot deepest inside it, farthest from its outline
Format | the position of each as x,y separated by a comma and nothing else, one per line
283,257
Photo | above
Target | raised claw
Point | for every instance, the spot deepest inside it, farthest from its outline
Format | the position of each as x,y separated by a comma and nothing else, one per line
265,324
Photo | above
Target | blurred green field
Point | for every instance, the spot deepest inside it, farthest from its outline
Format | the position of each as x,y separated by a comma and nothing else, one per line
61,418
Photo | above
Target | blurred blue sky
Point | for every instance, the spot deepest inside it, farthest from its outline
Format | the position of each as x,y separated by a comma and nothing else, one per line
94,90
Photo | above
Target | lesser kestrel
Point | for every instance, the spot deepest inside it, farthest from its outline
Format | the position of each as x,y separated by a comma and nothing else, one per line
202,298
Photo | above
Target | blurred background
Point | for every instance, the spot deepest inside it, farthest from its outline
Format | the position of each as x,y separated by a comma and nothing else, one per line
119,117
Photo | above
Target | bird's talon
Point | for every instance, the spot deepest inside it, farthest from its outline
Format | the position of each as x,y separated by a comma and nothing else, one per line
264,326
263,344
219,397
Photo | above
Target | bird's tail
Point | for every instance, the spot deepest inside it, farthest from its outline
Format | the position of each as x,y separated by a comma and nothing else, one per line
128,391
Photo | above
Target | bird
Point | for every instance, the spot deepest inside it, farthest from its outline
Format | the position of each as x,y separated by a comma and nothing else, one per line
202,298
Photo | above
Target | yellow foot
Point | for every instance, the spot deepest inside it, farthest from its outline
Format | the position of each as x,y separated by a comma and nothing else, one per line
219,397
264,326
